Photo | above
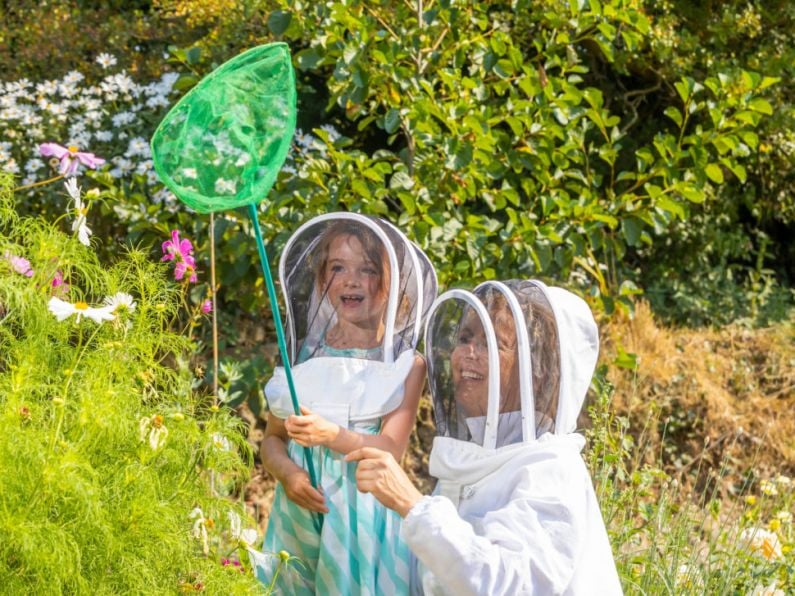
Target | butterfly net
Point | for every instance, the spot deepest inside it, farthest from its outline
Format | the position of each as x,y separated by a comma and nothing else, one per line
222,145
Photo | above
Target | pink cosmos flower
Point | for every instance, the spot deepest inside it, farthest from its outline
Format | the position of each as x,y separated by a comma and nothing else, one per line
207,306
70,157
228,563
59,286
57,280
19,264
176,248
181,252
186,267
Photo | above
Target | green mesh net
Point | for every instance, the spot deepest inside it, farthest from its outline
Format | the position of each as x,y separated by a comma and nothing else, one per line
222,145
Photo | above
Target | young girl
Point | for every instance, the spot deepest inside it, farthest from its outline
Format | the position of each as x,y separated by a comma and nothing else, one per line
356,290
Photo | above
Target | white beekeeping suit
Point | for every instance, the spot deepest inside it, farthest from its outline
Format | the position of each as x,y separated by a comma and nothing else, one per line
514,511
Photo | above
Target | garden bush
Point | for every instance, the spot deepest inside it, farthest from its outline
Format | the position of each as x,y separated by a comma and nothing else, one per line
618,147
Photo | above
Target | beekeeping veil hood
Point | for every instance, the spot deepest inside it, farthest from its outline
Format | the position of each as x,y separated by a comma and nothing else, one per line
509,362
514,510
341,272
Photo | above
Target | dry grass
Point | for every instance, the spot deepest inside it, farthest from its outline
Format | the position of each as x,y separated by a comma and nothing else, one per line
721,398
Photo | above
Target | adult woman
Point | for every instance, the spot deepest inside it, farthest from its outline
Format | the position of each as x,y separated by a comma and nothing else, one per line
514,511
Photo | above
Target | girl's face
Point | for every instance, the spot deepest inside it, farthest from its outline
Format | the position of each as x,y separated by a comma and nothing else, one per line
353,283
470,365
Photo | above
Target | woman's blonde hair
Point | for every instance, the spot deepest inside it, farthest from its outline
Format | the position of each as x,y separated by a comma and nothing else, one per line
542,331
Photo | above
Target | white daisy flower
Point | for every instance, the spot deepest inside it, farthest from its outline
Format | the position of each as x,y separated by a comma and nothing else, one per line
63,310
248,536
138,146
106,60
200,528
72,77
122,118
11,166
120,303
153,429
220,442
34,164
72,189
81,209
762,543
770,590
157,101
92,104
768,488
47,88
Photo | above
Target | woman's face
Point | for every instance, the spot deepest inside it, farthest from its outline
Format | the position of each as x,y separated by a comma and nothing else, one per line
470,365
353,283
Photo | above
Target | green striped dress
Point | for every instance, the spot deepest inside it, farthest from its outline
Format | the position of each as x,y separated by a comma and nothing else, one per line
355,549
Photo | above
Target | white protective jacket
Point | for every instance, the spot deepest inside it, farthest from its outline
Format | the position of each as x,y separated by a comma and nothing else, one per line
520,518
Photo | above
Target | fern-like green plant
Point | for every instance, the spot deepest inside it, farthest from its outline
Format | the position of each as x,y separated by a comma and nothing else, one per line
114,473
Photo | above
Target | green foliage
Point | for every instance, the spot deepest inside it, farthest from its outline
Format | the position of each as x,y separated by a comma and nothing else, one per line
239,382
733,258
105,449
494,143
723,274
580,144
45,39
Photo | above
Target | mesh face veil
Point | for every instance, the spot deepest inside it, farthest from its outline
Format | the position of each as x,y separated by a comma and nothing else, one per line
494,363
354,286
545,357
457,320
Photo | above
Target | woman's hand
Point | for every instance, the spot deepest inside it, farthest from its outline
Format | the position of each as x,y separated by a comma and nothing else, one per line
300,491
378,473
310,429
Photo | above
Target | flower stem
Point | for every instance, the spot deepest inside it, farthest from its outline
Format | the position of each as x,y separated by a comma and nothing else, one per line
39,183
82,347
272,585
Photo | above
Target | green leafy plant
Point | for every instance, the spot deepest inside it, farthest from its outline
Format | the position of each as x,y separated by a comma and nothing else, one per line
106,451
669,538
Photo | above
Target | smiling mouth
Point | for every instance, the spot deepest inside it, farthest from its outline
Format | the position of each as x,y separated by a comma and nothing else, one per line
351,300
471,375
